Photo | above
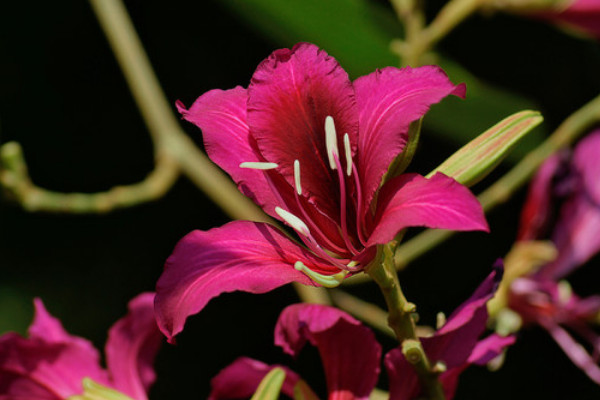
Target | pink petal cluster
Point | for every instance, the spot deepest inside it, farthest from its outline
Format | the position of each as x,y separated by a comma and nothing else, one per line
351,355
311,147
571,180
50,364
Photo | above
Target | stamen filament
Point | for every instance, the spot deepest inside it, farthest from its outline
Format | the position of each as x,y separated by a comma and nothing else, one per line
293,221
343,211
328,281
297,177
259,165
331,141
302,228
332,246
359,228
348,151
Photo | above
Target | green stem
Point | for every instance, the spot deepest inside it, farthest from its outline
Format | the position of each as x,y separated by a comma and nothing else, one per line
420,40
363,310
400,319
156,111
15,179
447,19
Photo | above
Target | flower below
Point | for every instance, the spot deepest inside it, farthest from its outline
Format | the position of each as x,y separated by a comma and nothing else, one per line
563,205
351,356
53,365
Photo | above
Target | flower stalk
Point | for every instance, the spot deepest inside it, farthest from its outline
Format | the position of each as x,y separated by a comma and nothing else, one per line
401,320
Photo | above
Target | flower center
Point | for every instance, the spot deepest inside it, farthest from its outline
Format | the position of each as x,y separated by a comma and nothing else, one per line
303,224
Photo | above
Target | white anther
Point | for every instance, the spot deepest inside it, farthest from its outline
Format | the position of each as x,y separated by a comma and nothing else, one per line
331,141
348,151
297,177
258,165
440,320
328,281
293,221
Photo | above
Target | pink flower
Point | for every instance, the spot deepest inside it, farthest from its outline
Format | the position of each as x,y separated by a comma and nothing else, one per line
311,148
569,187
456,344
351,356
555,307
51,364
571,183
581,15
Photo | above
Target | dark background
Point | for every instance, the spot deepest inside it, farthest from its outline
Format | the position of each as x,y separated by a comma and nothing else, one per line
63,98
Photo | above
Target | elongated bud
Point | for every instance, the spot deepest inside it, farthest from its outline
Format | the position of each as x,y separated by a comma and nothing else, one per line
270,386
481,155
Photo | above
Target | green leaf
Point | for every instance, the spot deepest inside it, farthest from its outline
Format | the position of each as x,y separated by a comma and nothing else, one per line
358,34
270,386
480,156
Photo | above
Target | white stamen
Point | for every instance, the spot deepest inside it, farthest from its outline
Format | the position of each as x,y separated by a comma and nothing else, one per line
331,141
297,177
258,165
328,281
293,221
348,151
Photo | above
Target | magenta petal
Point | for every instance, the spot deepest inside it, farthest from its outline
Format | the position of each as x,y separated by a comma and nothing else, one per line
537,210
583,15
131,347
349,351
240,379
51,367
576,237
389,100
587,163
454,342
291,94
221,114
575,351
489,348
404,383
247,256
438,202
